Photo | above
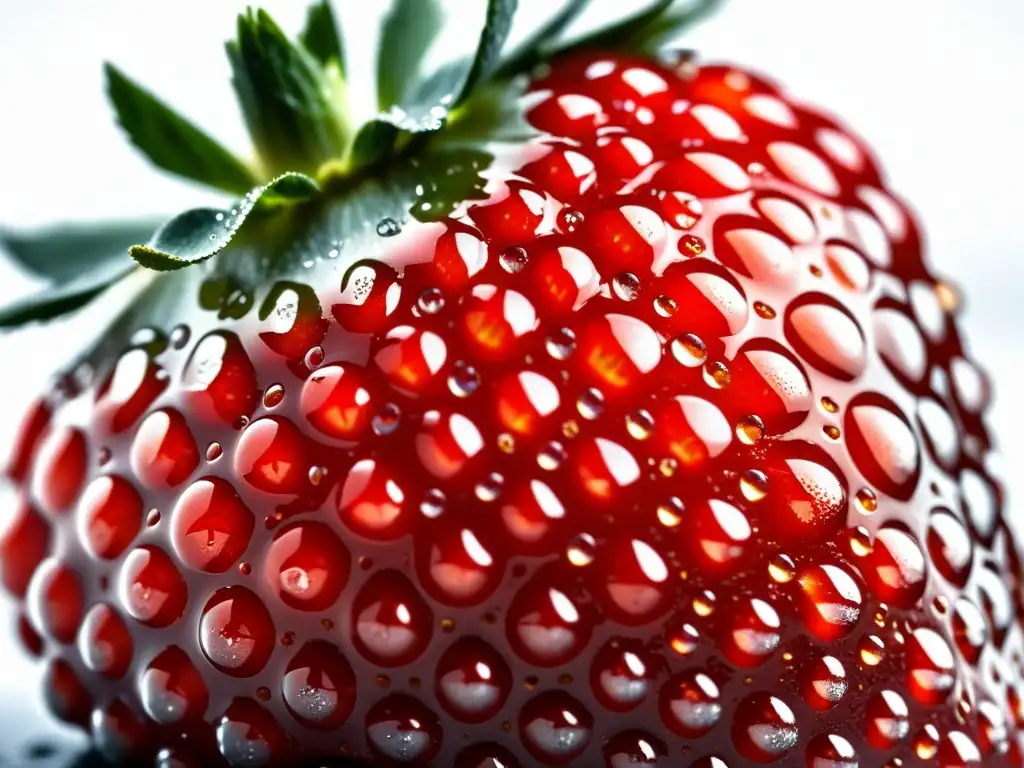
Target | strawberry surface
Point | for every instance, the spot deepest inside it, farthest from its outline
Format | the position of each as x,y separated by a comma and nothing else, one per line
666,452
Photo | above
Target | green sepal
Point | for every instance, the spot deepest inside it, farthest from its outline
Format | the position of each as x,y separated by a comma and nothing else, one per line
537,45
426,108
170,141
62,253
289,103
406,35
197,235
321,35
64,297
645,29
374,142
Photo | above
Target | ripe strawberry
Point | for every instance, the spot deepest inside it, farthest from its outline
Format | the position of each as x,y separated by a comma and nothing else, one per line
658,445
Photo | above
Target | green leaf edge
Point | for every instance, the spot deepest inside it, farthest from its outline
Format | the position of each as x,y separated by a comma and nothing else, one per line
321,35
208,163
201,225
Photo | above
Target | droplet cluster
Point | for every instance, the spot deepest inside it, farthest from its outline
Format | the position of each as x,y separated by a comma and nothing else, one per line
667,452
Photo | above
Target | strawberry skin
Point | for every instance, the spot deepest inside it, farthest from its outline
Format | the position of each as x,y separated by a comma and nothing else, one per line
667,453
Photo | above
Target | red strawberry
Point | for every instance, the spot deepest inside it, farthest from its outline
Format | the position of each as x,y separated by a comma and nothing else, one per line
656,445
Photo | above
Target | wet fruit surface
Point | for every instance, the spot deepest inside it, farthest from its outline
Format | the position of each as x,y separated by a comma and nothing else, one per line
664,453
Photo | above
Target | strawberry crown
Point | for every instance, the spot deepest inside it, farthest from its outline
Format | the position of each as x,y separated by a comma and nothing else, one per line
436,80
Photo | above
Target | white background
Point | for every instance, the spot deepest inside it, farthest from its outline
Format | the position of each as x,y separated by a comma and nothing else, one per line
934,85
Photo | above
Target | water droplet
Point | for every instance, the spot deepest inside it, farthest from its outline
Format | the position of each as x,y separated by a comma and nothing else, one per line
569,220
640,424
867,500
590,404
754,485
581,550
750,429
489,488
860,541
387,419
704,603
948,297
552,456
513,259
665,306
273,396
315,358
388,227
668,467
689,350
433,503
717,375
464,380
213,451
506,443
431,301
561,344
316,475
670,514
179,336
781,569
626,286
691,245
153,518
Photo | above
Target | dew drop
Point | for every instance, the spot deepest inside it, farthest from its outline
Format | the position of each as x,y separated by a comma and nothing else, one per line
750,429
581,550
665,306
388,227
387,419
431,301
754,485
213,451
464,380
590,404
315,358
717,375
626,286
867,500
561,344
689,350
513,259
433,503
273,396
640,424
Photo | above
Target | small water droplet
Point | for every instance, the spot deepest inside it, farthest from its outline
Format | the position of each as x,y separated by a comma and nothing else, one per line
561,344
388,227
948,297
691,245
464,379
387,419
750,429
860,541
754,485
179,336
104,456
717,375
689,351
431,301
433,503
506,443
317,474
551,456
668,466
665,306
273,396
581,550
315,358
867,500
245,568
569,220
590,404
570,428
626,286
153,518
670,513
213,451
489,488
639,424
781,569
871,650
513,259
704,603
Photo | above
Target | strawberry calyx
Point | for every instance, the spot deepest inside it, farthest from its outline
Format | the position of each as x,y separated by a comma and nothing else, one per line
328,128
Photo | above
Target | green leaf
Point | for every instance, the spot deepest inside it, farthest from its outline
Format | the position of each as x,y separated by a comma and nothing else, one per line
406,35
640,29
170,141
536,47
200,234
488,53
372,144
426,107
286,98
62,253
665,28
64,297
493,113
321,35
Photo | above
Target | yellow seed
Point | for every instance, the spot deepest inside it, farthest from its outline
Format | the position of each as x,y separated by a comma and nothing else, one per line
830,405
763,310
831,431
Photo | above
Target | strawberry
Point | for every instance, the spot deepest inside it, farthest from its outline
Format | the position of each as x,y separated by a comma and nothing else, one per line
626,428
